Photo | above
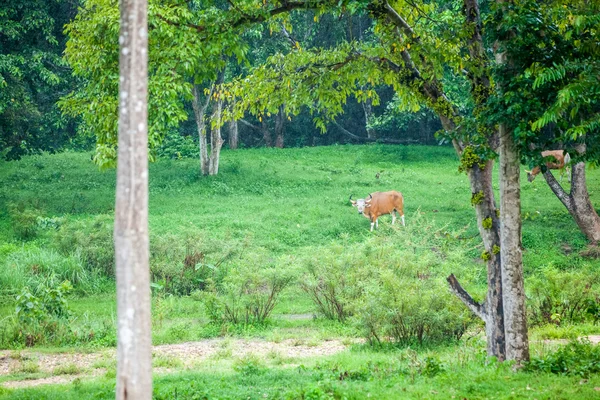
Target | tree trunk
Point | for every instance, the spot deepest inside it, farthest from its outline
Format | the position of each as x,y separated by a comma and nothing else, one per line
577,202
513,290
233,135
216,141
367,106
134,340
199,114
268,138
491,311
279,127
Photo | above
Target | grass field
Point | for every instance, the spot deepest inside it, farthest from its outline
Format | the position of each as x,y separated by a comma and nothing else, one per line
284,214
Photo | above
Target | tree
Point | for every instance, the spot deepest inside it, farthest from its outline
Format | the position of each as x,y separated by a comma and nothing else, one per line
556,92
134,339
173,68
33,76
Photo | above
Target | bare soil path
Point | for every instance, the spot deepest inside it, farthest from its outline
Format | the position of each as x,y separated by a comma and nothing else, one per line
32,368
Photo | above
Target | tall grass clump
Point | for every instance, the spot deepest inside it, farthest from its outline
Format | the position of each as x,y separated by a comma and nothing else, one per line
392,286
32,267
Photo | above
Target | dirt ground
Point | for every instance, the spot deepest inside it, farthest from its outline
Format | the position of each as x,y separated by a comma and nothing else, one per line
66,367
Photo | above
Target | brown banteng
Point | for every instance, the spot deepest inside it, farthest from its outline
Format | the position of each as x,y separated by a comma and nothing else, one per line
558,159
380,203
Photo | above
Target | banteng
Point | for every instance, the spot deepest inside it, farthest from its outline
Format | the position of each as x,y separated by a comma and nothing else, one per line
558,159
380,203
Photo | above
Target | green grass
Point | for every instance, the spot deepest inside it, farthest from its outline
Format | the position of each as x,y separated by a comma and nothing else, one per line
357,374
281,209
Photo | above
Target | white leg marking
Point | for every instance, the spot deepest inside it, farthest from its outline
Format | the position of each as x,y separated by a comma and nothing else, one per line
372,223
393,217
377,223
403,224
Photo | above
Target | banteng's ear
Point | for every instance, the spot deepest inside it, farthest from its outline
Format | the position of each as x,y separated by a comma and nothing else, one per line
353,203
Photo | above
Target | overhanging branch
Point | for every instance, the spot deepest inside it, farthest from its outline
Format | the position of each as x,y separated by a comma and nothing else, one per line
465,297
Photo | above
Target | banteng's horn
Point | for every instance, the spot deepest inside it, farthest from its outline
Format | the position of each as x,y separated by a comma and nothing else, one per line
350,198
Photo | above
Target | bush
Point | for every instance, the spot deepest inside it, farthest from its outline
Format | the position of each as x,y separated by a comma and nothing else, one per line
397,307
579,358
24,221
40,314
560,297
93,241
176,147
247,295
183,264
328,282
394,287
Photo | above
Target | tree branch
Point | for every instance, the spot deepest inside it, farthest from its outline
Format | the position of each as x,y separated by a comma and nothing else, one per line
371,140
558,190
465,297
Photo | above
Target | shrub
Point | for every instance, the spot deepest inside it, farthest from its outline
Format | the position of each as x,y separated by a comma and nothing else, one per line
184,264
24,221
579,358
394,287
92,240
560,297
247,295
47,302
328,283
176,146
398,307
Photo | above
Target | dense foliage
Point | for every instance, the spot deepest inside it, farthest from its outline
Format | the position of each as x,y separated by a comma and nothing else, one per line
33,76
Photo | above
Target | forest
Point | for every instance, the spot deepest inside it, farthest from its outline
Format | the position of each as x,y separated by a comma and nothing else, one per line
315,199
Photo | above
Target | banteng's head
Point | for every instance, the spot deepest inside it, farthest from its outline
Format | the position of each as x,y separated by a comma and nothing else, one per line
361,204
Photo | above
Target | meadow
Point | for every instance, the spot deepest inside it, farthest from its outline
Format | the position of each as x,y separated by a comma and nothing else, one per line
270,250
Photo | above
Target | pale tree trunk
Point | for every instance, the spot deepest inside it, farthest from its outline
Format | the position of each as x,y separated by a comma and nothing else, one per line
577,201
279,128
513,290
199,114
134,340
367,106
216,141
234,136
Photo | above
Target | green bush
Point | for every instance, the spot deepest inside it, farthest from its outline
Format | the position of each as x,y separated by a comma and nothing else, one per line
559,297
247,295
394,287
328,283
579,358
24,221
397,307
182,264
45,303
176,146
92,241
39,314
